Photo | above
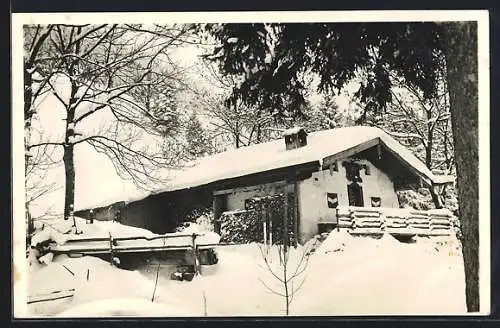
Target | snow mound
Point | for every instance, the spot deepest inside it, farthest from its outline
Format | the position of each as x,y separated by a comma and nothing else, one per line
99,229
382,277
369,276
60,231
48,234
336,241
92,280
387,240
207,237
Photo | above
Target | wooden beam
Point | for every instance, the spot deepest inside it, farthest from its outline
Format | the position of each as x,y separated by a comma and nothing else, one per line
296,218
266,176
286,235
248,188
327,161
410,167
218,208
55,295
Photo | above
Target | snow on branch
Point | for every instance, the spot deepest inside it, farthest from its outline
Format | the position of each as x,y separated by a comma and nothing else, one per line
406,135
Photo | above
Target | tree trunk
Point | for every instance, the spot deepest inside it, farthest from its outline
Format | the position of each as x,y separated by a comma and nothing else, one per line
428,160
430,143
68,157
69,169
28,114
436,198
237,140
460,41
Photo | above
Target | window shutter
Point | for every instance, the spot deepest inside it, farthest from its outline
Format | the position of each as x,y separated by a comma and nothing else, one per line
332,199
376,202
367,169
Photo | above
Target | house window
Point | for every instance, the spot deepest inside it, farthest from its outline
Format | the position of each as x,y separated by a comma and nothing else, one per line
352,170
367,169
248,204
376,202
355,194
334,167
332,200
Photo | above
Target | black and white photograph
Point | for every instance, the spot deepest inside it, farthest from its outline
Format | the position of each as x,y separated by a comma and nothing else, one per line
250,164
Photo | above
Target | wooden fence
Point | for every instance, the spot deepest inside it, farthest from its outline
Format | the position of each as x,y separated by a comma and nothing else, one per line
112,246
378,220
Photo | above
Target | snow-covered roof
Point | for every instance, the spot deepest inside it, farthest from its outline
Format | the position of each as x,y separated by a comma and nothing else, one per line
273,155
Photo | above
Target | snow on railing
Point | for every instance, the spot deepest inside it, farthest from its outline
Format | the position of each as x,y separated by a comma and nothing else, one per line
112,244
402,221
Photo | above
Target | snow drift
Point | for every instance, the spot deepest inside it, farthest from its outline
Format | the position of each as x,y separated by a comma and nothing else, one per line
345,275
66,238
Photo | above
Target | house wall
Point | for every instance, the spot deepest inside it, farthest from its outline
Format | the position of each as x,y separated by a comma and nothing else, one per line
313,206
158,213
107,213
236,199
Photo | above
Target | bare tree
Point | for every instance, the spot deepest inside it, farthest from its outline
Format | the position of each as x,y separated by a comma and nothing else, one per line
36,39
286,267
421,122
36,170
235,121
93,69
285,264
423,125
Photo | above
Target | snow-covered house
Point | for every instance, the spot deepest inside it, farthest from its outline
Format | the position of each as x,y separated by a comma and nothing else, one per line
351,166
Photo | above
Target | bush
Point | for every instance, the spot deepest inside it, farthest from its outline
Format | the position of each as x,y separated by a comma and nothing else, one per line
246,226
204,218
241,227
416,200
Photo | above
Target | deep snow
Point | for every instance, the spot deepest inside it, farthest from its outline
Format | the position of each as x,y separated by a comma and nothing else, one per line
60,231
345,275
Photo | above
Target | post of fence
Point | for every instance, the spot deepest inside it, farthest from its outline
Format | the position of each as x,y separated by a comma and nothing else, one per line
285,223
111,260
264,227
195,254
337,217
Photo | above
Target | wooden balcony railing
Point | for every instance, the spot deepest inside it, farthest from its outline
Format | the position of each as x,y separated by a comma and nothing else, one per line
398,221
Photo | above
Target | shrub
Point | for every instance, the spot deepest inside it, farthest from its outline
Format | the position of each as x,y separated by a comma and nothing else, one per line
418,200
241,227
246,226
204,218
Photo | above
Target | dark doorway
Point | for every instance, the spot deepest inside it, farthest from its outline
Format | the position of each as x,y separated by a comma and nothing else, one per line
219,206
355,194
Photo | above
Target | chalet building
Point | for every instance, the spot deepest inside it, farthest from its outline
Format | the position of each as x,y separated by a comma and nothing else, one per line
351,166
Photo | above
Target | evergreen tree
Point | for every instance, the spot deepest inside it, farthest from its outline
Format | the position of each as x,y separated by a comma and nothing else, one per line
198,141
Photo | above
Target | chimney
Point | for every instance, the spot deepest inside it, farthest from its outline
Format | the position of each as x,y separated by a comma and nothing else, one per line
295,138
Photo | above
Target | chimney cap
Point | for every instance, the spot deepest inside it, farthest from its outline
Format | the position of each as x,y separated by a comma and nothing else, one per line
294,130
295,138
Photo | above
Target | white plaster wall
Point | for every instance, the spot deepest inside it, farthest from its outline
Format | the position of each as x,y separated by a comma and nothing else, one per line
313,204
236,199
377,184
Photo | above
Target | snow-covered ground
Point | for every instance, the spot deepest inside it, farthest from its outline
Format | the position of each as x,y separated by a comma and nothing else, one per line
346,275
